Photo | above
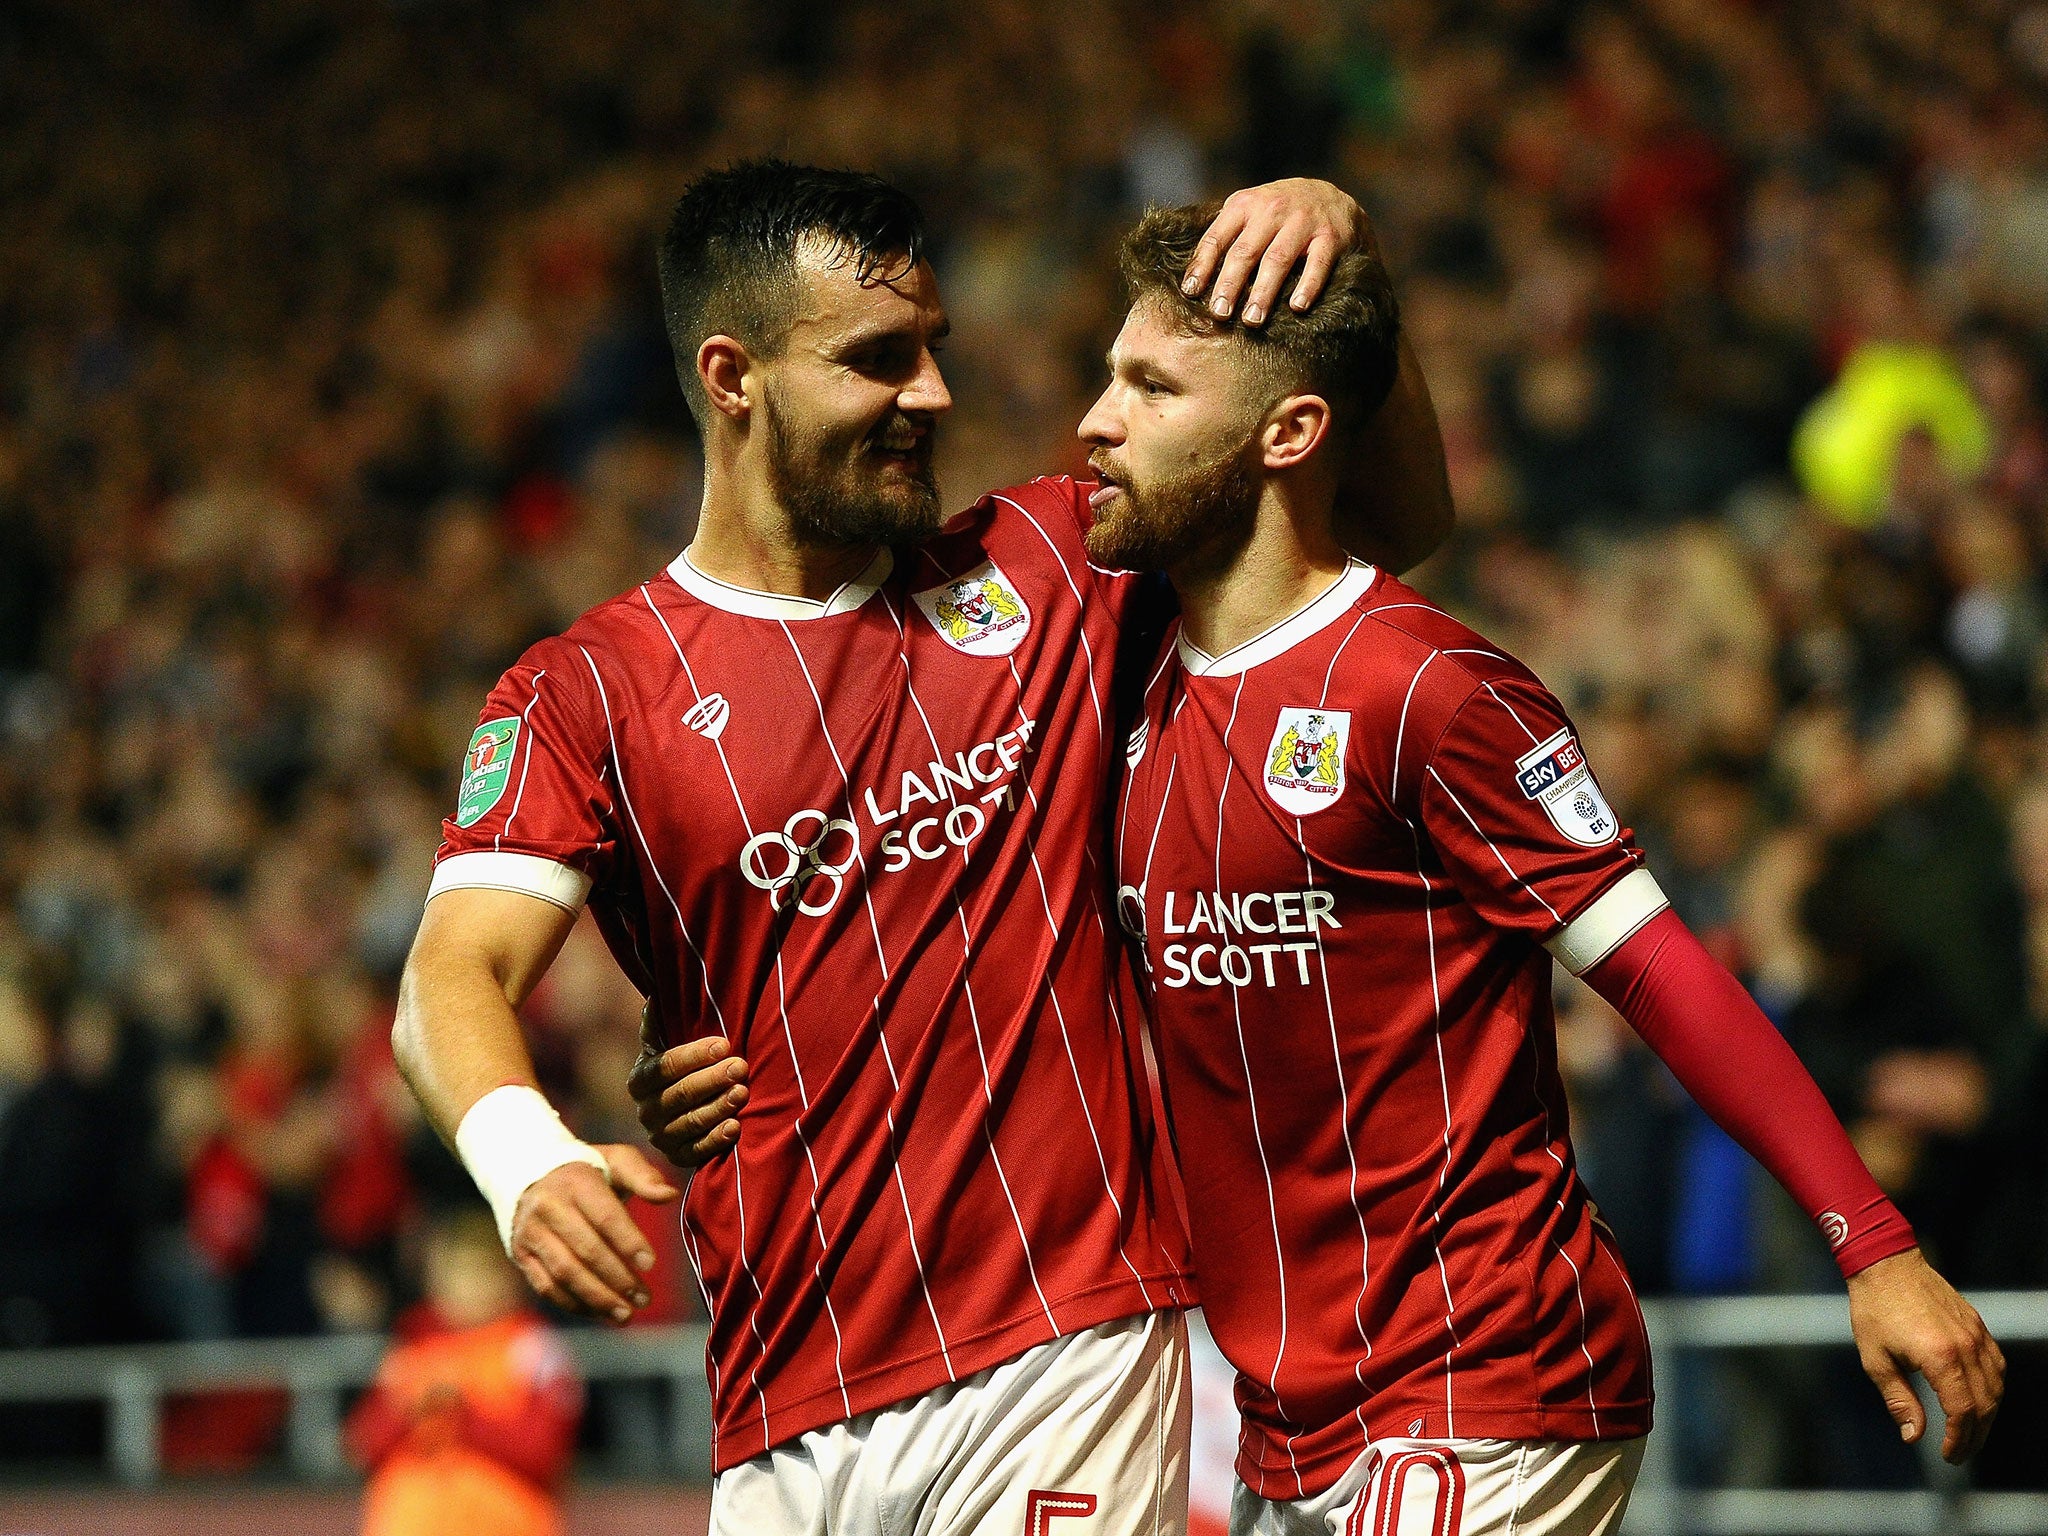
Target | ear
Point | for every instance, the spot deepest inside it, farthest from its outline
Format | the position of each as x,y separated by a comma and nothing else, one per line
722,368
1293,430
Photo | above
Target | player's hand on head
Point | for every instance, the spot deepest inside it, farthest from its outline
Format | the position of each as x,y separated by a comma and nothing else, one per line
689,1099
574,1241
1261,234
1906,1319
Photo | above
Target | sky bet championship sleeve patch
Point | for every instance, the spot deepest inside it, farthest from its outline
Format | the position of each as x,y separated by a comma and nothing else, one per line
1305,760
1555,774
486,768
982,613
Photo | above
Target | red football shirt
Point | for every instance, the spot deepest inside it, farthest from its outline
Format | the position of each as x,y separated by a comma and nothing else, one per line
1342,844
861,840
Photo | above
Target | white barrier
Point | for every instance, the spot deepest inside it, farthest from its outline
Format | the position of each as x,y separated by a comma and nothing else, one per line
1661,1507
316,1372
134,1380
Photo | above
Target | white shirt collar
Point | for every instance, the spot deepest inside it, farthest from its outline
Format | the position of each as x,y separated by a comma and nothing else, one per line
776,605
1319,614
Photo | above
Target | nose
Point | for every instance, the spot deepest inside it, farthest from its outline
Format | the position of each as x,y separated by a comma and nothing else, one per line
926,392
1101,424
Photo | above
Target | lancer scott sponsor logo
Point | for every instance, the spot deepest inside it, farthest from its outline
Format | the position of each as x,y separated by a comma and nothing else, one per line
940,811
1233,938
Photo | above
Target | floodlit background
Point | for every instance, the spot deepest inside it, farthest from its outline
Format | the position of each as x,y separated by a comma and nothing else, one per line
331,374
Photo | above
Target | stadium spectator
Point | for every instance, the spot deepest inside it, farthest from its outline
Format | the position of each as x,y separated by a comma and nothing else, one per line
471,1420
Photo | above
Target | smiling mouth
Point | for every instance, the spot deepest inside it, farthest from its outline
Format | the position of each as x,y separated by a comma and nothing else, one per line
911,460
911,449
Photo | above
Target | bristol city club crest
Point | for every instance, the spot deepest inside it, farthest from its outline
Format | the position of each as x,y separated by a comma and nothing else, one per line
1305,762
1555,775
981,613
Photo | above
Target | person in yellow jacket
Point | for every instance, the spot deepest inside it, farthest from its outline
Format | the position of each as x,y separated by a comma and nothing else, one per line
1847,444
472,1418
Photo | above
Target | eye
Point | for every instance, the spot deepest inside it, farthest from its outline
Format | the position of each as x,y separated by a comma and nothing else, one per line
1154,389
891,357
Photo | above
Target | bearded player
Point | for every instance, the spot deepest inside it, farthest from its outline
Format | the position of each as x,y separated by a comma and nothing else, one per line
1352,835
833,785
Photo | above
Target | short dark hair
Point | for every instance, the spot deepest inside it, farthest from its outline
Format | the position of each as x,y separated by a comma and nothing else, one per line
1345,346
728,257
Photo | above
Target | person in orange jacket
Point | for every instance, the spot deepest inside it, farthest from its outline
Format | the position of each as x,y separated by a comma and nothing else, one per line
472,1418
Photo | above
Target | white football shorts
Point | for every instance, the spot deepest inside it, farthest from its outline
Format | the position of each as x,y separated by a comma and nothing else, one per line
1084,1436
1460,1488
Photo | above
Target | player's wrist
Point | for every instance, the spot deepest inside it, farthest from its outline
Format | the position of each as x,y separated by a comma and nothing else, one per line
1878,1232
511,1138
1857,1262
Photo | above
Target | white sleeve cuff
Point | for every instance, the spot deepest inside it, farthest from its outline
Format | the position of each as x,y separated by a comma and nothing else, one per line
509,1138
526,873
1603,927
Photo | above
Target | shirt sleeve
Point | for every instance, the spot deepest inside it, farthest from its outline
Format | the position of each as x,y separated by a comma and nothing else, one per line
533,813
1072,497
1514,812
1058,507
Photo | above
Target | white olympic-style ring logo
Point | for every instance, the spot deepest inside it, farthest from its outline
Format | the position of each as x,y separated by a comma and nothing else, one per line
806,859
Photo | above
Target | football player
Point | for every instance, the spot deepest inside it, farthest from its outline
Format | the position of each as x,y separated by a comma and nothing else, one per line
1352,837
833,786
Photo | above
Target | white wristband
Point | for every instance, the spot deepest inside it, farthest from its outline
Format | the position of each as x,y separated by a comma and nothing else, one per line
511,1137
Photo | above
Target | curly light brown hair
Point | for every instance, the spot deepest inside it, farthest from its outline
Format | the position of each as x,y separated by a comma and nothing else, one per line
1344,347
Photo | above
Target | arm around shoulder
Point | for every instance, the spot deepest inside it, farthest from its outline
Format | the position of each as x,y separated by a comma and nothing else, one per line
1394,496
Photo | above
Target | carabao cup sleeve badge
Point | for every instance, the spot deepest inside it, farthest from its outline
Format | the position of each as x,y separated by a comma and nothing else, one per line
1305,760
982,613
1555,775
486,768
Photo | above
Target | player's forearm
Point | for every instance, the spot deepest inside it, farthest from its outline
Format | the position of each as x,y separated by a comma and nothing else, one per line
456,1036
457,1039
1394,502
479,953
1738,1068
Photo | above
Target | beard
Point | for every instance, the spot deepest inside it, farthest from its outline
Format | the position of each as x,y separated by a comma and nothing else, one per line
1198,518
842,490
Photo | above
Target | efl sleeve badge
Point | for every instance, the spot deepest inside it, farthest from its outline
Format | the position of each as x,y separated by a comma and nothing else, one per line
1305,759
1555,775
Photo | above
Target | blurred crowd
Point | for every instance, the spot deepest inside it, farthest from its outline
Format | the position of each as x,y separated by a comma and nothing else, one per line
332,374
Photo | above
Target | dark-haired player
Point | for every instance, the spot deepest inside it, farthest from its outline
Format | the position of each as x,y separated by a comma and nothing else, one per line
1352,834
833,785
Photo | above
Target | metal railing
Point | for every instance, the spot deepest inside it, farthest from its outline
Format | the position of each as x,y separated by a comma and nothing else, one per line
1661,1506
316,1374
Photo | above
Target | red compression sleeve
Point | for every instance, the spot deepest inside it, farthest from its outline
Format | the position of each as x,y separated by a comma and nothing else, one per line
1738,1068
